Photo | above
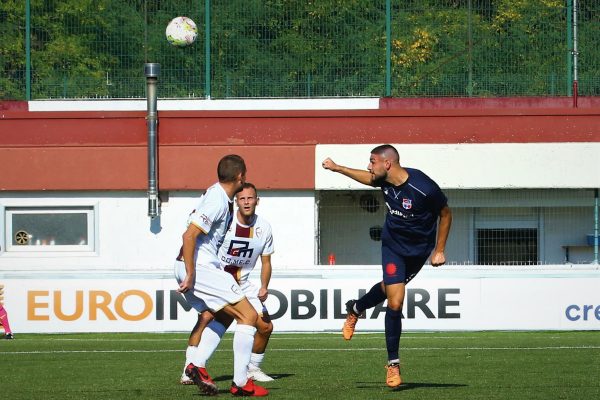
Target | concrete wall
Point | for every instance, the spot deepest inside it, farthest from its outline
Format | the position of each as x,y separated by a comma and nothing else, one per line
476,166
129,241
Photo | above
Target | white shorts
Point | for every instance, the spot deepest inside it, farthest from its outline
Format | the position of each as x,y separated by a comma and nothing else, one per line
251,292
213,289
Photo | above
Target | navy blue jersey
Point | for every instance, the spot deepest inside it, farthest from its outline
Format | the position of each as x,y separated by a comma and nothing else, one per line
413,211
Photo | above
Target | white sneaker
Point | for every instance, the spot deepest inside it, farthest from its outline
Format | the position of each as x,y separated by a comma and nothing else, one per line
186,380
257,375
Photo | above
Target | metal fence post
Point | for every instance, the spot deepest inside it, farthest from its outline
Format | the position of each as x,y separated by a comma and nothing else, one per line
28,50
388,48
569,47
207,89
596,205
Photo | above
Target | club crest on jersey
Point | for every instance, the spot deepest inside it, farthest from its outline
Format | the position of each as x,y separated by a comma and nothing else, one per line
406,203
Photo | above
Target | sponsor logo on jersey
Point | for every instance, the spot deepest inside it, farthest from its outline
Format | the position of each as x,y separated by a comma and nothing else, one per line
240,248
205,220
399,213
395,212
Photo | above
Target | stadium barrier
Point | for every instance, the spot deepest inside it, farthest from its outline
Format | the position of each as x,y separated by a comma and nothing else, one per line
312,299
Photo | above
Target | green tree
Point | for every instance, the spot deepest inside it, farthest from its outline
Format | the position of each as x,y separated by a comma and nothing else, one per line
293,48
12,49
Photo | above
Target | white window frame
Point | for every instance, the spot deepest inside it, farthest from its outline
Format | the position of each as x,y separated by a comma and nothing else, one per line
8,210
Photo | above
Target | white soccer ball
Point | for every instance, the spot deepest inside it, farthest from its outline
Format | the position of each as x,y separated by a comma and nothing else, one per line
181,31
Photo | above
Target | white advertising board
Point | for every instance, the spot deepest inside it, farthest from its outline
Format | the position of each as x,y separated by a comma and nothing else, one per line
566,301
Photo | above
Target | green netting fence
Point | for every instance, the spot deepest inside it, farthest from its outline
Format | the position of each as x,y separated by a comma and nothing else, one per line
54,49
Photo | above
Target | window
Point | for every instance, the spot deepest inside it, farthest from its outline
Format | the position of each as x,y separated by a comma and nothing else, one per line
489,227
35,229
507,246
350,226
507,236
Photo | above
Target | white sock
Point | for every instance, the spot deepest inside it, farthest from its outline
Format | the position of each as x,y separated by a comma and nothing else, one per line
243,339
189,356
211,337
256,359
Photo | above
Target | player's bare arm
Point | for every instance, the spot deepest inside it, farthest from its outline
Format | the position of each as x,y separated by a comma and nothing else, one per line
437,257
359,175
189,248
265,277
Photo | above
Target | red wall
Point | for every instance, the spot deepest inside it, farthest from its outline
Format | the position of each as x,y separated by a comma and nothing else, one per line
107,150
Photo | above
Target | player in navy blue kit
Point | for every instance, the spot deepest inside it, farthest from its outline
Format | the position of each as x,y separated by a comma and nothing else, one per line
416,209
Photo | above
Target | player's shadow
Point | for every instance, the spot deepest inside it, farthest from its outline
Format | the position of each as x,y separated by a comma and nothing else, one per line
410,385
229,378
417,385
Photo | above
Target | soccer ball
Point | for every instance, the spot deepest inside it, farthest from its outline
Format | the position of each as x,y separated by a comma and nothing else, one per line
181,31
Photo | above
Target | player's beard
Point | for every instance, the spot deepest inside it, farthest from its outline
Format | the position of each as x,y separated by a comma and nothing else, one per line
379,180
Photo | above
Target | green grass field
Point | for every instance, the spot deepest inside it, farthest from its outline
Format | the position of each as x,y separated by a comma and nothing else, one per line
441,365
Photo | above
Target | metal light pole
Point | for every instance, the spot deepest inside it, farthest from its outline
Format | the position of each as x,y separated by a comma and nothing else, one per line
152,70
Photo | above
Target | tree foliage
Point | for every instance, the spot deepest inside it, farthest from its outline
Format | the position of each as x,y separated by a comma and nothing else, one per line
297,48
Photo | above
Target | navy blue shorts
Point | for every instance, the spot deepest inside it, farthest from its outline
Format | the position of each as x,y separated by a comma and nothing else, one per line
399,269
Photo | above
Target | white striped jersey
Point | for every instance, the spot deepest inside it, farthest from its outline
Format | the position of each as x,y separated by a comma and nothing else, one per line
243,245
213,215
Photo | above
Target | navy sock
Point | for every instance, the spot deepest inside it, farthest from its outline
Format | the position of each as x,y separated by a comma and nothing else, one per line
393,330
373,297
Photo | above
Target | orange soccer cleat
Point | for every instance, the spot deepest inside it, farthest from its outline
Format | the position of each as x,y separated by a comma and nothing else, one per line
351,320
393,378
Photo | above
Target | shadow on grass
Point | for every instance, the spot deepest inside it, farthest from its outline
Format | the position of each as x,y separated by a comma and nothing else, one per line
410,385
417,385
229,378
223,392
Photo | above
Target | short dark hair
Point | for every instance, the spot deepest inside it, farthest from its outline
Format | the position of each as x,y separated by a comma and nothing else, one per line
247,185
230,167
388,151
